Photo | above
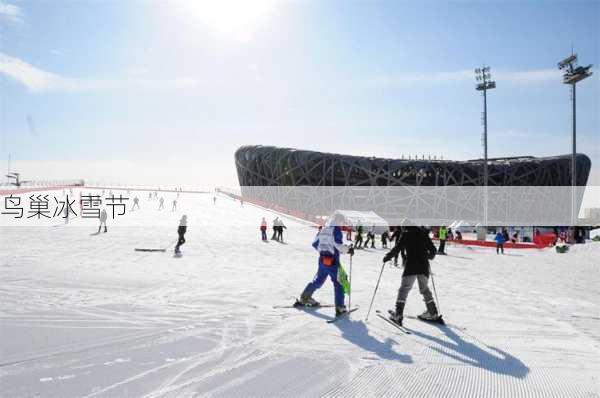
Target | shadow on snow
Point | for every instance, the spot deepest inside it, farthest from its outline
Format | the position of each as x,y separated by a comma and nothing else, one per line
356,332
466,352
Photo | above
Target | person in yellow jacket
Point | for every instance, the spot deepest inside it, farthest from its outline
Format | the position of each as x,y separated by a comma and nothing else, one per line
442,234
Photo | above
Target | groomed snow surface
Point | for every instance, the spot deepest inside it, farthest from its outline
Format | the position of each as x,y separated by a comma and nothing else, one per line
83,314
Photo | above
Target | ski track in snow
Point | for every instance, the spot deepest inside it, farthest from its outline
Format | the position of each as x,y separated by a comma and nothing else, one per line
84,315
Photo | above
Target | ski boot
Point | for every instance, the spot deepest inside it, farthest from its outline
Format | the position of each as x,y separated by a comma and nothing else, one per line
431,315
340,310
306,301
396,316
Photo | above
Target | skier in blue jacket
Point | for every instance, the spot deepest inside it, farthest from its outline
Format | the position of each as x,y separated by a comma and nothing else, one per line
499,243
329,244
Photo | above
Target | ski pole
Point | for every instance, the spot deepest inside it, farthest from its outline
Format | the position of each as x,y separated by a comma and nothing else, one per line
375,292
350,282
436,296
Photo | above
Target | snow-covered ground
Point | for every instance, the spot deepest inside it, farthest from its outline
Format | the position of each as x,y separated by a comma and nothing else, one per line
83,314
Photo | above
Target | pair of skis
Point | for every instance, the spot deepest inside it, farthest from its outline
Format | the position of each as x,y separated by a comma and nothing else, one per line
438,321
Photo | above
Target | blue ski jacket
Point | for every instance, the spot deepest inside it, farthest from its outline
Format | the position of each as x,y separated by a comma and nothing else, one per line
499,238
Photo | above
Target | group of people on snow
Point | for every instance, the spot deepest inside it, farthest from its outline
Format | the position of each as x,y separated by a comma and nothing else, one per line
443,235
278,227
412,243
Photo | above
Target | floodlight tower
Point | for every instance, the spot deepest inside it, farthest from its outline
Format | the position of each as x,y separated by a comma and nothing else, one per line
484,83
572,75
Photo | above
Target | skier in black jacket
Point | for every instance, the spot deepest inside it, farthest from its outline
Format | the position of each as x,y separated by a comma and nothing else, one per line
417,249
181,230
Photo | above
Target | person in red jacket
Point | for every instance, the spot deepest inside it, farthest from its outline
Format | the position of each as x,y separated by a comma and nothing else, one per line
263,229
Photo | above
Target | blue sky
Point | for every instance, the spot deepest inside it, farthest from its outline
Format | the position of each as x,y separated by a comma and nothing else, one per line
144,91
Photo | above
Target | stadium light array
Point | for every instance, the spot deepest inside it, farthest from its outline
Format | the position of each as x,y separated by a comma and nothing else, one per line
573,74
484,80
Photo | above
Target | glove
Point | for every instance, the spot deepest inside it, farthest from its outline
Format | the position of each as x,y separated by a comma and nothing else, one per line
351,250
387,257
431,255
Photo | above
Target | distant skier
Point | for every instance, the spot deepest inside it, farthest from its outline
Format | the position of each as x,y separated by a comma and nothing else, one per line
161,203
280,229
149,195
371,237
562,236
275,228
515,237
499,242
66,211
505,234
174,205
214,200
359,238
181,230
419,250
329,244
103,218
241,202
136,202
263,229
385,236
442,235
349,233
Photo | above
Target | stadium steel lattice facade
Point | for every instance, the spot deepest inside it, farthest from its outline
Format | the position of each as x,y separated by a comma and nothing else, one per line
260,167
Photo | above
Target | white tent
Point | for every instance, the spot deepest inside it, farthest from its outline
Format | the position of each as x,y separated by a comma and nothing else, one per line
463,226
367,219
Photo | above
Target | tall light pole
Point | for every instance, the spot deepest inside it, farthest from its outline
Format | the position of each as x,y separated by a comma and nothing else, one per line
572,75
484,83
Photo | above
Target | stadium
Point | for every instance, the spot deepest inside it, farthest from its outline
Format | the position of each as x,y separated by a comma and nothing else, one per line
276,176
272,166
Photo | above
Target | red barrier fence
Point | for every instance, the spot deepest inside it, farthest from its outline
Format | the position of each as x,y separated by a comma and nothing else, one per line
545,240
507,245
19,191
